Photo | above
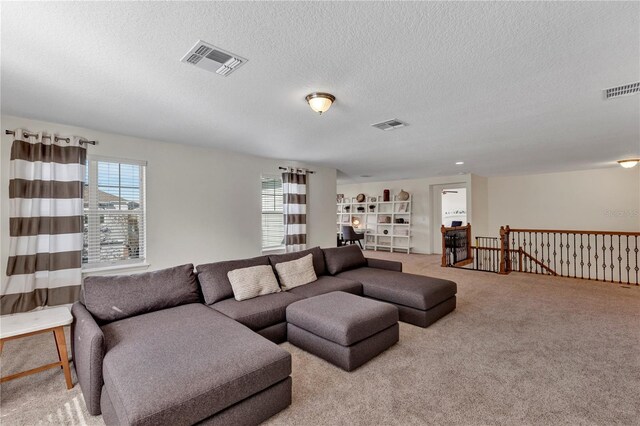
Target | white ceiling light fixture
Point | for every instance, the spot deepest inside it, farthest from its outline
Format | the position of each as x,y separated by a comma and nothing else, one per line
629,162
320,102
459,163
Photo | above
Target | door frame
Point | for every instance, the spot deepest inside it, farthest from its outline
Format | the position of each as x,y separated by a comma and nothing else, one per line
436,211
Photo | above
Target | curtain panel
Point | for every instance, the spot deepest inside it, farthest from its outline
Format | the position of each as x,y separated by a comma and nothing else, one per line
294,193
46,180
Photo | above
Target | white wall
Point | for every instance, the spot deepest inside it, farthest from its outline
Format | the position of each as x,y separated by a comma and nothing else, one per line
479,206
595,200
421,190
203,205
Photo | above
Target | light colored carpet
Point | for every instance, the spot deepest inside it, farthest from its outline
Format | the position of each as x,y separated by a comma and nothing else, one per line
519,349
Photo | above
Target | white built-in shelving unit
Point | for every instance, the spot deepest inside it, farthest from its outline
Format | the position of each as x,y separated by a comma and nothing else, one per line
382,232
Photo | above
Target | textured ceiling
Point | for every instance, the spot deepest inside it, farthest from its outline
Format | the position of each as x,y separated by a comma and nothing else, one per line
505,87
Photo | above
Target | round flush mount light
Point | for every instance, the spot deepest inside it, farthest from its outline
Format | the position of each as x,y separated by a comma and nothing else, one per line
459,163
629,163
320,102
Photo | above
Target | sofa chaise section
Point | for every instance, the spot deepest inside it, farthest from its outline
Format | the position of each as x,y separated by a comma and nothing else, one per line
182,365
420,300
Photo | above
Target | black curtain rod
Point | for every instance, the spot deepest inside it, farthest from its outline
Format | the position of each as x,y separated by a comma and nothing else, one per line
67,140
297,168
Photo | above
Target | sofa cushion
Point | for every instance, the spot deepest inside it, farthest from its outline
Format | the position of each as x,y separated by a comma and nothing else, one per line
327,284
115,297
184,364
318,259
213,277
253,281
341,317
295,273
260,312
415,291
341,259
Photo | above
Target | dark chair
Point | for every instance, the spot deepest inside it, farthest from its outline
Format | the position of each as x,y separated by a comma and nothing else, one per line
349,235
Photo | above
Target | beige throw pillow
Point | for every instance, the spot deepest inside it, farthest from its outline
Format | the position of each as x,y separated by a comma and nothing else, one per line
254,281
296,272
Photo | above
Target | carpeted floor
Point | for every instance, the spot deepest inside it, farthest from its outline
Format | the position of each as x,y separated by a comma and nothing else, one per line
519,349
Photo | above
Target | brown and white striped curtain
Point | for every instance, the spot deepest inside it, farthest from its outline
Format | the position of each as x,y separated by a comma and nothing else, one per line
294,192
46,222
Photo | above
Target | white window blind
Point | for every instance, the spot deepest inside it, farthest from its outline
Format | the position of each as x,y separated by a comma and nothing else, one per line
272,220
114,213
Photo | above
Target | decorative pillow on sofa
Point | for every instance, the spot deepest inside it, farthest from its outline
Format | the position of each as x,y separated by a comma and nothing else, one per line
296,272
254,281
214,281
318,259
111,298
340,259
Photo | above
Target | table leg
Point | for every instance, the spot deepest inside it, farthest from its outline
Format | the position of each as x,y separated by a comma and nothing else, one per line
58,350
61,343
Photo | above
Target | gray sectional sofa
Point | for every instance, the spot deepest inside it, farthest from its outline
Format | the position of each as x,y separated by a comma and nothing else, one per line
175,347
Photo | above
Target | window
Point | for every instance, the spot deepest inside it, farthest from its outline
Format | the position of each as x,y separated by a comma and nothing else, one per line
272,220
114,213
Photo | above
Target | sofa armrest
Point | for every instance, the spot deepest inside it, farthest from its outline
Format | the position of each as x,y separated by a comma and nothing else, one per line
389,265
87,347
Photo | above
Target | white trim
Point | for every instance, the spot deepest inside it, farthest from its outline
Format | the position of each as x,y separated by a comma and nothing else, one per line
274,250
103,158
90,270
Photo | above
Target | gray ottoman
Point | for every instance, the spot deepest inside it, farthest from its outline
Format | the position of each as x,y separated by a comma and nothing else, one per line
343,329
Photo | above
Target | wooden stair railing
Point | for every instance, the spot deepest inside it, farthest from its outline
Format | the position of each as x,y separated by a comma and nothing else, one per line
610,256
456,245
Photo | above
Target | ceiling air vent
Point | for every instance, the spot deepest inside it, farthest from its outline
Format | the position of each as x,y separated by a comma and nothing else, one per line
207,56
389,124
624,90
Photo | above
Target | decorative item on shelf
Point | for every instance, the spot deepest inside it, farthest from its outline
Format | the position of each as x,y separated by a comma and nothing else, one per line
361,209
403,195
340,198
373,199
386,195
399,220
387,219
360,198
402,207
355,222
347,208
372,207
385,232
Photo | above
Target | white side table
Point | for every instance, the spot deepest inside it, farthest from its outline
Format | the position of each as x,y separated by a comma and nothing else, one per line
29,323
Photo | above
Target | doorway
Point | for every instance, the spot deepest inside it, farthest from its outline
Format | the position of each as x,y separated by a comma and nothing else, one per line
449,208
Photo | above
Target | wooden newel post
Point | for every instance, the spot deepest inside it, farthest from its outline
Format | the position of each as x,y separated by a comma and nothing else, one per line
443,230
469,241
503,258
505,264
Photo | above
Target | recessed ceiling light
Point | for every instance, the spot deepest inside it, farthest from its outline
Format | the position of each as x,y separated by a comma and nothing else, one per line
459,163
365,176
